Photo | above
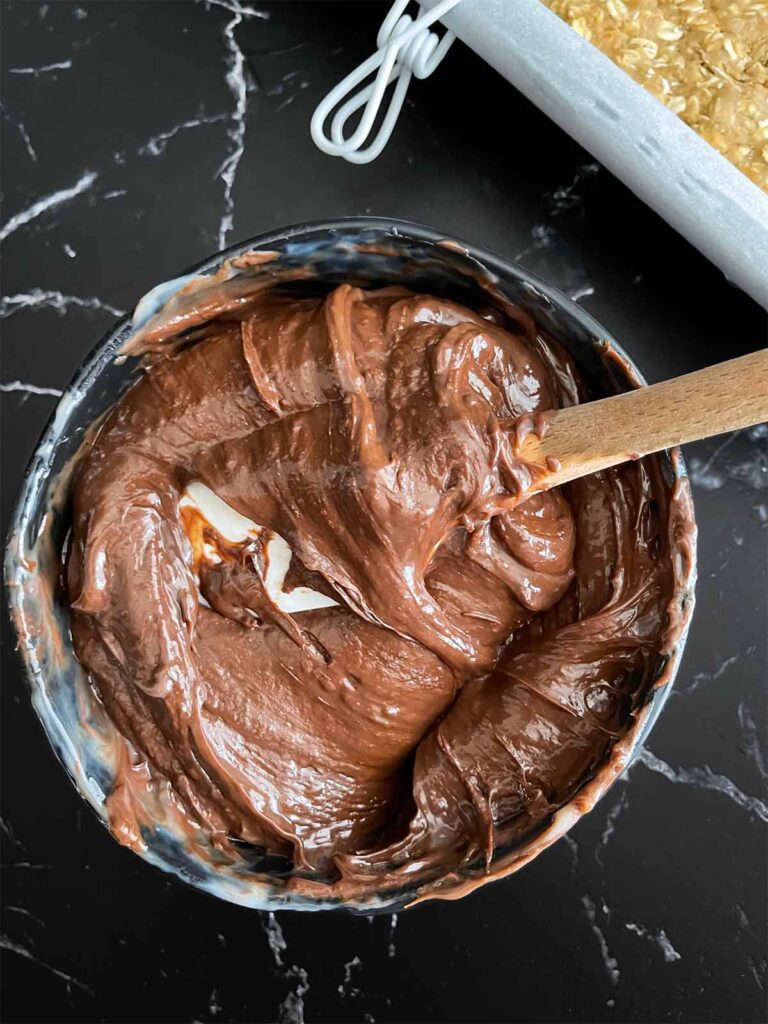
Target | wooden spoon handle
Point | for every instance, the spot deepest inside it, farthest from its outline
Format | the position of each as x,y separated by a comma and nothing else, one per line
586,438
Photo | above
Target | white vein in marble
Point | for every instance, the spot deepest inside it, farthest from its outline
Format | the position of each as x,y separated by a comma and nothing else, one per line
155,146
275,938
713,473
700,472
741,916
235,79
45,203
27,914
751,736
609,962
391,948
27,141
60,65
15,947
238,86
555,260
30,389
752,471
37,298
26,865
542,236
235,7
567,197
291,1010
583,292
704,778
659,937
610,824
346,989
5,827
756,970
214,1006
573,848
722,668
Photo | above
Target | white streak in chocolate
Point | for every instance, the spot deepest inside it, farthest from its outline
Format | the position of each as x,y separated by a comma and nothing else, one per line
47,203
237,529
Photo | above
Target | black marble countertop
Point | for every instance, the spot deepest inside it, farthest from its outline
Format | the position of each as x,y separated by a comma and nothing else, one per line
140,137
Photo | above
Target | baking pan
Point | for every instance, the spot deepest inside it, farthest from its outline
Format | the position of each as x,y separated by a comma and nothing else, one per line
692,186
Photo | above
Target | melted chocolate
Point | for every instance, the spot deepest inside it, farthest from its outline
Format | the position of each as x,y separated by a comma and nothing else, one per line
487,648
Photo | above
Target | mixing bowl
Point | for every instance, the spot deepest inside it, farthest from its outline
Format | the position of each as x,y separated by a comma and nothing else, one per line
367,252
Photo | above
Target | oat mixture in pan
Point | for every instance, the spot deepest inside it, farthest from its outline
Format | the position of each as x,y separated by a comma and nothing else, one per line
707,60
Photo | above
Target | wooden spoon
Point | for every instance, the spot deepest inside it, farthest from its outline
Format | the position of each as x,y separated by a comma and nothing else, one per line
586,438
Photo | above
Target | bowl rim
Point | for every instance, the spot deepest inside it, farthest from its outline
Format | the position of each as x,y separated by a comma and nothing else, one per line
37,474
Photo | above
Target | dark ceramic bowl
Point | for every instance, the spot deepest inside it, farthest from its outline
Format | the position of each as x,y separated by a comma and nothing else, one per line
368,252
